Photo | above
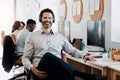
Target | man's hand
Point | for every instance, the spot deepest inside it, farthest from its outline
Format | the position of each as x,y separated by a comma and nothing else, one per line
89,58
39,74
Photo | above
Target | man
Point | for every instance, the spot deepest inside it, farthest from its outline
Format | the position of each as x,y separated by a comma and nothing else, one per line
43,46
22,35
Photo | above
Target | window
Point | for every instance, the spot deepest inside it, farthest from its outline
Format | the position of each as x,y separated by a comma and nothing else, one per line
115,20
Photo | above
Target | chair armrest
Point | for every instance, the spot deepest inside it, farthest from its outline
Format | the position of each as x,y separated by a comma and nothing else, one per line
64,56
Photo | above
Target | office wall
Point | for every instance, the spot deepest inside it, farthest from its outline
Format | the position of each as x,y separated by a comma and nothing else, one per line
6,15
26,9
79,30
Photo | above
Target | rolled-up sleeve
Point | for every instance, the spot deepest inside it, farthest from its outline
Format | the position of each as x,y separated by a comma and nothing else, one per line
72,50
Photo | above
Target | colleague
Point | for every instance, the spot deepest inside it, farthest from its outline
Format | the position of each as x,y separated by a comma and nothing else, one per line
9,42
16,28
22,24
23,34
42,53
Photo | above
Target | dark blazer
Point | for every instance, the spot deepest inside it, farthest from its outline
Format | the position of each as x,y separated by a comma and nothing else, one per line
8,53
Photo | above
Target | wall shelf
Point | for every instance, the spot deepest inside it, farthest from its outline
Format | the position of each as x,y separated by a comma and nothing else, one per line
77,18
98,14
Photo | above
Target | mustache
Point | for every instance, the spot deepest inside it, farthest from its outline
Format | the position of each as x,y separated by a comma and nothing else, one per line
46,22
47,25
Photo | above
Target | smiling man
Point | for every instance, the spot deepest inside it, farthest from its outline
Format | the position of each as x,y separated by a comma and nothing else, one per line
42,53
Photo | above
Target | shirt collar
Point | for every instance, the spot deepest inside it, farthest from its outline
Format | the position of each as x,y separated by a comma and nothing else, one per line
42,31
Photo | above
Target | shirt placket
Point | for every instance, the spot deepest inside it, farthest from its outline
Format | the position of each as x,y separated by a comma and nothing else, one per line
48,42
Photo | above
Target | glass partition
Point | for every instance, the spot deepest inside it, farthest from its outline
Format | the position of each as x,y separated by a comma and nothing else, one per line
64,28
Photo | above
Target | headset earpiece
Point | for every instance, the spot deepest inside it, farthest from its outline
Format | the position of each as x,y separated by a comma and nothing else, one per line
40,20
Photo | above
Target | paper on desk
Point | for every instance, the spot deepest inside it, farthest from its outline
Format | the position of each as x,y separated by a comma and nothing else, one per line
105,62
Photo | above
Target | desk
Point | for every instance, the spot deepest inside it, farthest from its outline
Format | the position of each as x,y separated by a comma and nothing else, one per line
100,67
115,71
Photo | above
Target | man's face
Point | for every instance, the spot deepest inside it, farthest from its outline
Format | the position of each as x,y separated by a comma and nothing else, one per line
47,20
33,26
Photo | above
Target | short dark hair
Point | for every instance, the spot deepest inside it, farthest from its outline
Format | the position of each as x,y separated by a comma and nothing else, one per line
46,10
31,21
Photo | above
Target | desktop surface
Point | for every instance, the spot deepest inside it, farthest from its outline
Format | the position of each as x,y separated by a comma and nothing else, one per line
97,54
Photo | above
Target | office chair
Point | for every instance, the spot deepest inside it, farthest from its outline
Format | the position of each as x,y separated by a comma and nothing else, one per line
77,43
2,36
10,57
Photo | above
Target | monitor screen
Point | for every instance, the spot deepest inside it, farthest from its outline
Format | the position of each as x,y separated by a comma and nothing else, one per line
96,35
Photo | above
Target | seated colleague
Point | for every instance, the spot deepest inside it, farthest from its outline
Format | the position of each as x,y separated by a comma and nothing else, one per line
42,52
16,28
23,34
22,25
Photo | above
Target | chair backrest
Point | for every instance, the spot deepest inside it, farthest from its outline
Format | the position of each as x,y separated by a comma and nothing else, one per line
77,43
2,37
8,53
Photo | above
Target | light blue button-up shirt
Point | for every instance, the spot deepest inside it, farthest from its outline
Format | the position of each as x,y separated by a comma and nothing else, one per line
20,42
38,43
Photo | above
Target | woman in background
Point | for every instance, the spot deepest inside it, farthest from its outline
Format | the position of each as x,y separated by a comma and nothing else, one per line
17,26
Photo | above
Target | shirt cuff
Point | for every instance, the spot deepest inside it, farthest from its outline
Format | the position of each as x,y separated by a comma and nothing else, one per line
29,67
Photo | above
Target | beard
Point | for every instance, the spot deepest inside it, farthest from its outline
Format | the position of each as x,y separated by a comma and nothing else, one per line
46,24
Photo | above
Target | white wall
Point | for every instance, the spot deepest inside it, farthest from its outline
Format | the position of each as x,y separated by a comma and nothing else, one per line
6,15
27,9
80,30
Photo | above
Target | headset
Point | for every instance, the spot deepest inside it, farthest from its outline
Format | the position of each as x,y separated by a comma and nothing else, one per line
46,10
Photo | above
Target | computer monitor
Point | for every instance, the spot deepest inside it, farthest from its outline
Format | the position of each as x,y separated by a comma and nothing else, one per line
96,35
